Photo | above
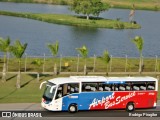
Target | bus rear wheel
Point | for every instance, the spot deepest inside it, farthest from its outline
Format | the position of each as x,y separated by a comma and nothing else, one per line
72,108
130,107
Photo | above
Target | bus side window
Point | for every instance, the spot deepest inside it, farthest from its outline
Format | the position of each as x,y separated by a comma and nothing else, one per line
142,87
89,87
128,88
73,88
122,88
151,86
135,88
93,88
59,92
107,88
100,87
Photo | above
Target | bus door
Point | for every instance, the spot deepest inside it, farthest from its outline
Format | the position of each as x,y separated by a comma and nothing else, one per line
66,94
57,103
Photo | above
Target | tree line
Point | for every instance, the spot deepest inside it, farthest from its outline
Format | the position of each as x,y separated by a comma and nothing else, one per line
18,49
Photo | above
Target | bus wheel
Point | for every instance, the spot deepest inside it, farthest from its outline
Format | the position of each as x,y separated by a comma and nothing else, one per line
130,107
72,108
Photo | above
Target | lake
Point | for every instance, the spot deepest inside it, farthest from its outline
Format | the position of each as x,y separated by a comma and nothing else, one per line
118,42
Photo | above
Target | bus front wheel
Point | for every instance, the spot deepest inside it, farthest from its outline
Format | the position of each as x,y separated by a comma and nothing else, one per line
72,108
130,107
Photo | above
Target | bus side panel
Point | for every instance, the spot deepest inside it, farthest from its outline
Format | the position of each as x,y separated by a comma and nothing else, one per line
110,100
69,99
116,100
146,99
87,99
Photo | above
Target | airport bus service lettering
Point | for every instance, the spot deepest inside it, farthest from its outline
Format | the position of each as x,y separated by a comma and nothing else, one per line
110,101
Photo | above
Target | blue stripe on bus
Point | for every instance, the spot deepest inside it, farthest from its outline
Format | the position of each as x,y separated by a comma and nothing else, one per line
83,100
114,82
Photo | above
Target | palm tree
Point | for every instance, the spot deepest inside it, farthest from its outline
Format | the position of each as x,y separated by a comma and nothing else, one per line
106,58
138,41
37,62
54,50
84,53
4,47
18,50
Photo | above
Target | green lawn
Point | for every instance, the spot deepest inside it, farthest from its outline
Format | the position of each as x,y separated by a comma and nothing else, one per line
96,65
29,93
139,4
74,20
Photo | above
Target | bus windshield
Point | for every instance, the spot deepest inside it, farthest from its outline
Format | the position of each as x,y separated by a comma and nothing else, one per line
49,92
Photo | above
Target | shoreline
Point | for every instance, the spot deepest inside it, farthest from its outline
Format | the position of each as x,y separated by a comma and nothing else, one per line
73,20
151,6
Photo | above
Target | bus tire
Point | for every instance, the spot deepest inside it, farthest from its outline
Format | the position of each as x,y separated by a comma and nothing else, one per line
130,107
72,108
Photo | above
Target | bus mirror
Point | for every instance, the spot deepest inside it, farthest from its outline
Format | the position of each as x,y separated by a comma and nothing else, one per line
42,84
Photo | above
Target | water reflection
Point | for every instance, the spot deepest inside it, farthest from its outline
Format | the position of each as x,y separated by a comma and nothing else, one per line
37,34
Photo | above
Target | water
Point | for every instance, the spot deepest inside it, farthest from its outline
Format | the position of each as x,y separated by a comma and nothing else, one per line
118,42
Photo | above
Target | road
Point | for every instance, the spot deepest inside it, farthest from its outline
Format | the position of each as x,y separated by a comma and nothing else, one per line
35,107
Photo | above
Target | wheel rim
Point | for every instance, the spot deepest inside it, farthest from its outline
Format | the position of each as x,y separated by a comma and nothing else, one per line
130,107
72,109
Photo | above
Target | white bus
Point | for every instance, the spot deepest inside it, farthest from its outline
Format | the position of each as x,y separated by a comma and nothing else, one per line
97,92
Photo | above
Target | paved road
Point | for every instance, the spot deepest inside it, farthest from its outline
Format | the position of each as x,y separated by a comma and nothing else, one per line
119,114
37,107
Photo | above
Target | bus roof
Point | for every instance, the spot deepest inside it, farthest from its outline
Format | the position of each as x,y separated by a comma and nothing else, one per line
73,79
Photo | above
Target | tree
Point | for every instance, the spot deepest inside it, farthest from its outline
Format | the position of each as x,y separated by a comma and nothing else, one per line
37,62
106,58
18,50
4,47
84,53
54,50
138,41
87,7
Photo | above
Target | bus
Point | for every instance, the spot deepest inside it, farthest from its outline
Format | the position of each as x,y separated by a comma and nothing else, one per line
76,93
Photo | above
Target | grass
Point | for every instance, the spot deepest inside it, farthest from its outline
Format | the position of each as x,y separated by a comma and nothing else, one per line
74,20
29,93
139,4
116,64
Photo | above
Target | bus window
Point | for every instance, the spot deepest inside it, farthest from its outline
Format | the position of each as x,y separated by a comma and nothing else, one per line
136,88
122,88
73,88
66,89
151,86
89,87
128,86
59,92
107,88
116,88
142,87
139,86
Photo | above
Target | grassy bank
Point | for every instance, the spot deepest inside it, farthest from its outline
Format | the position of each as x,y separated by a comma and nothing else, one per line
96,65
139,4
29,93
74,20
9,93
56,2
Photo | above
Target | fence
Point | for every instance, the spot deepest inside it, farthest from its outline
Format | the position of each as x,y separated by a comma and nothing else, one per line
67,64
